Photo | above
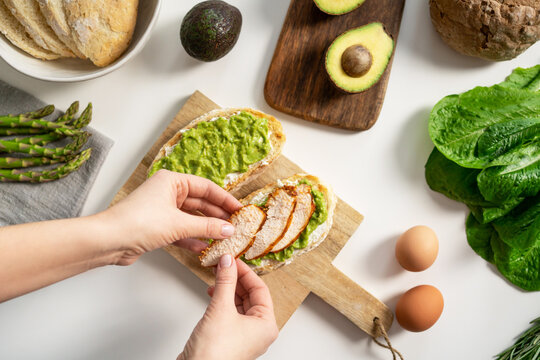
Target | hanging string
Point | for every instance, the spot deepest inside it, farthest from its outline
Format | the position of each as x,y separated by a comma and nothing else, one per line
379,329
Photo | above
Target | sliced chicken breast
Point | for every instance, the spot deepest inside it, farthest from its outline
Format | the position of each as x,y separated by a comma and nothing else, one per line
300,218
247,221
278,218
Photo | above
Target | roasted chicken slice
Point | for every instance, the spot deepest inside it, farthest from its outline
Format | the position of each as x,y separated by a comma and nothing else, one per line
247,221
300,217
280,207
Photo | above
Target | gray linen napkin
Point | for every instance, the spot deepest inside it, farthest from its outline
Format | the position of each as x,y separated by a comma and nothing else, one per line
64,198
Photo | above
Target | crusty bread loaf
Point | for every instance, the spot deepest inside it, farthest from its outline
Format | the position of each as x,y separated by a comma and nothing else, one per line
53,11
102,29
277,140
15,32
30,16
318,235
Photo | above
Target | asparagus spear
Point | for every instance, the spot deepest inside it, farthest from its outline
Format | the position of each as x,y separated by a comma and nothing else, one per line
65,131
22,131
39,139
32,123
45,175
40,113
14,146
69,114
21,124
12,162
84,119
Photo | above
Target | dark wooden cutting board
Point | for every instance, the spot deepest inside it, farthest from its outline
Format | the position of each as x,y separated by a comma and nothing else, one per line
297,82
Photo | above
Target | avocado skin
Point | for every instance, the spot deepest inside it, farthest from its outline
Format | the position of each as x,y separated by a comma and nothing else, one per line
210,30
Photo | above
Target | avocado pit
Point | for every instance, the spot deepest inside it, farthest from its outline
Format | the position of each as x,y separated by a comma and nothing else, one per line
356,61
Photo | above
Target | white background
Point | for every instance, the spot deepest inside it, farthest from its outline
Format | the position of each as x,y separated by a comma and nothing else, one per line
147,310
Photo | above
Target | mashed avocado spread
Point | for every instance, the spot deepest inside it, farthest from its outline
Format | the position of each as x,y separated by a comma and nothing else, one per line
319,217
216,148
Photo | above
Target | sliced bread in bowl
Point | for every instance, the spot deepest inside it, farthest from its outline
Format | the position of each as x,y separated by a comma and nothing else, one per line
17,35
101,29
53,11
30,16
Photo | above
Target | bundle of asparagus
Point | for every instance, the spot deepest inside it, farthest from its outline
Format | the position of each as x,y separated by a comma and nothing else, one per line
31,149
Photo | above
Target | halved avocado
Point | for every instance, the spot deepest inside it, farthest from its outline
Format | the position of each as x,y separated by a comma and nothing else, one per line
357,58
338,7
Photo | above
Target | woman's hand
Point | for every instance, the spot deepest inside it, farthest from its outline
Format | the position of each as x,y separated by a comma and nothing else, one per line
239,323
160,213
157,214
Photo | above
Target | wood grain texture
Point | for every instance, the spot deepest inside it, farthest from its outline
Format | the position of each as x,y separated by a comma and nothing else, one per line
290,284
297,82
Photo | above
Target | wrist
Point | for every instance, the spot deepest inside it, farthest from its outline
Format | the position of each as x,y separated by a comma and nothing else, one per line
106,238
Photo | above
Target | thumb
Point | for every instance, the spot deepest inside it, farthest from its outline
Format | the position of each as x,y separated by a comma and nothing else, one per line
206,227
226,276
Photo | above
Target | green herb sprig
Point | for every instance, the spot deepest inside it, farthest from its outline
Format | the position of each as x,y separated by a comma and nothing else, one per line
526,347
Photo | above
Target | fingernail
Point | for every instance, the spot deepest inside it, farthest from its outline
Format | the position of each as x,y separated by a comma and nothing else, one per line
227,230
225,261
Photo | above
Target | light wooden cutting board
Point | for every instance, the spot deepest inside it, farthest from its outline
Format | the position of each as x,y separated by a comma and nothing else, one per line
312,272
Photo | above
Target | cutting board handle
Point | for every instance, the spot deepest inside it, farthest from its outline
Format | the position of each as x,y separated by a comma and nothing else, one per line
346,296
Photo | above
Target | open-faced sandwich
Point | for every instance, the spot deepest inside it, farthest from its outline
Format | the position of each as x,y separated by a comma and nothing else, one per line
278,223
227,146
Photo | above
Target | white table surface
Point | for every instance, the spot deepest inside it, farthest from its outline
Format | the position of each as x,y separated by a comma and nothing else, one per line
148,310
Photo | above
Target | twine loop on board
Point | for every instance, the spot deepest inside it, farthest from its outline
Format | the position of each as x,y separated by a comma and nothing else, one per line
379,329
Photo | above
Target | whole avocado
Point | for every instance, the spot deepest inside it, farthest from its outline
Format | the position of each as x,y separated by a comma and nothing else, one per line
210,30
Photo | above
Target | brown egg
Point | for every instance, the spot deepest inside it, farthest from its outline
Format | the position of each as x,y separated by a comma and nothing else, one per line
417,248
419,308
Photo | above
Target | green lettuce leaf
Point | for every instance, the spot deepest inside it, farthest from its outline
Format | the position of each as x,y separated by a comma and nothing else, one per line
479,237
521,227
488,214
502,137
519,178
520,267
457,122
460,184
521,78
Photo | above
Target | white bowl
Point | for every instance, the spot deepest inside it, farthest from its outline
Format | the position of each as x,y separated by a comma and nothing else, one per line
70,70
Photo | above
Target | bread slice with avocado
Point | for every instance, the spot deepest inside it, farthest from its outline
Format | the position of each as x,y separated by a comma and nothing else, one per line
302,236
227,146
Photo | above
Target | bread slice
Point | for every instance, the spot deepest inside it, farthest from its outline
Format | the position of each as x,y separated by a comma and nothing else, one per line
53,11
101,29
29,15
235,181
247,222
318,235
17,35
278,218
